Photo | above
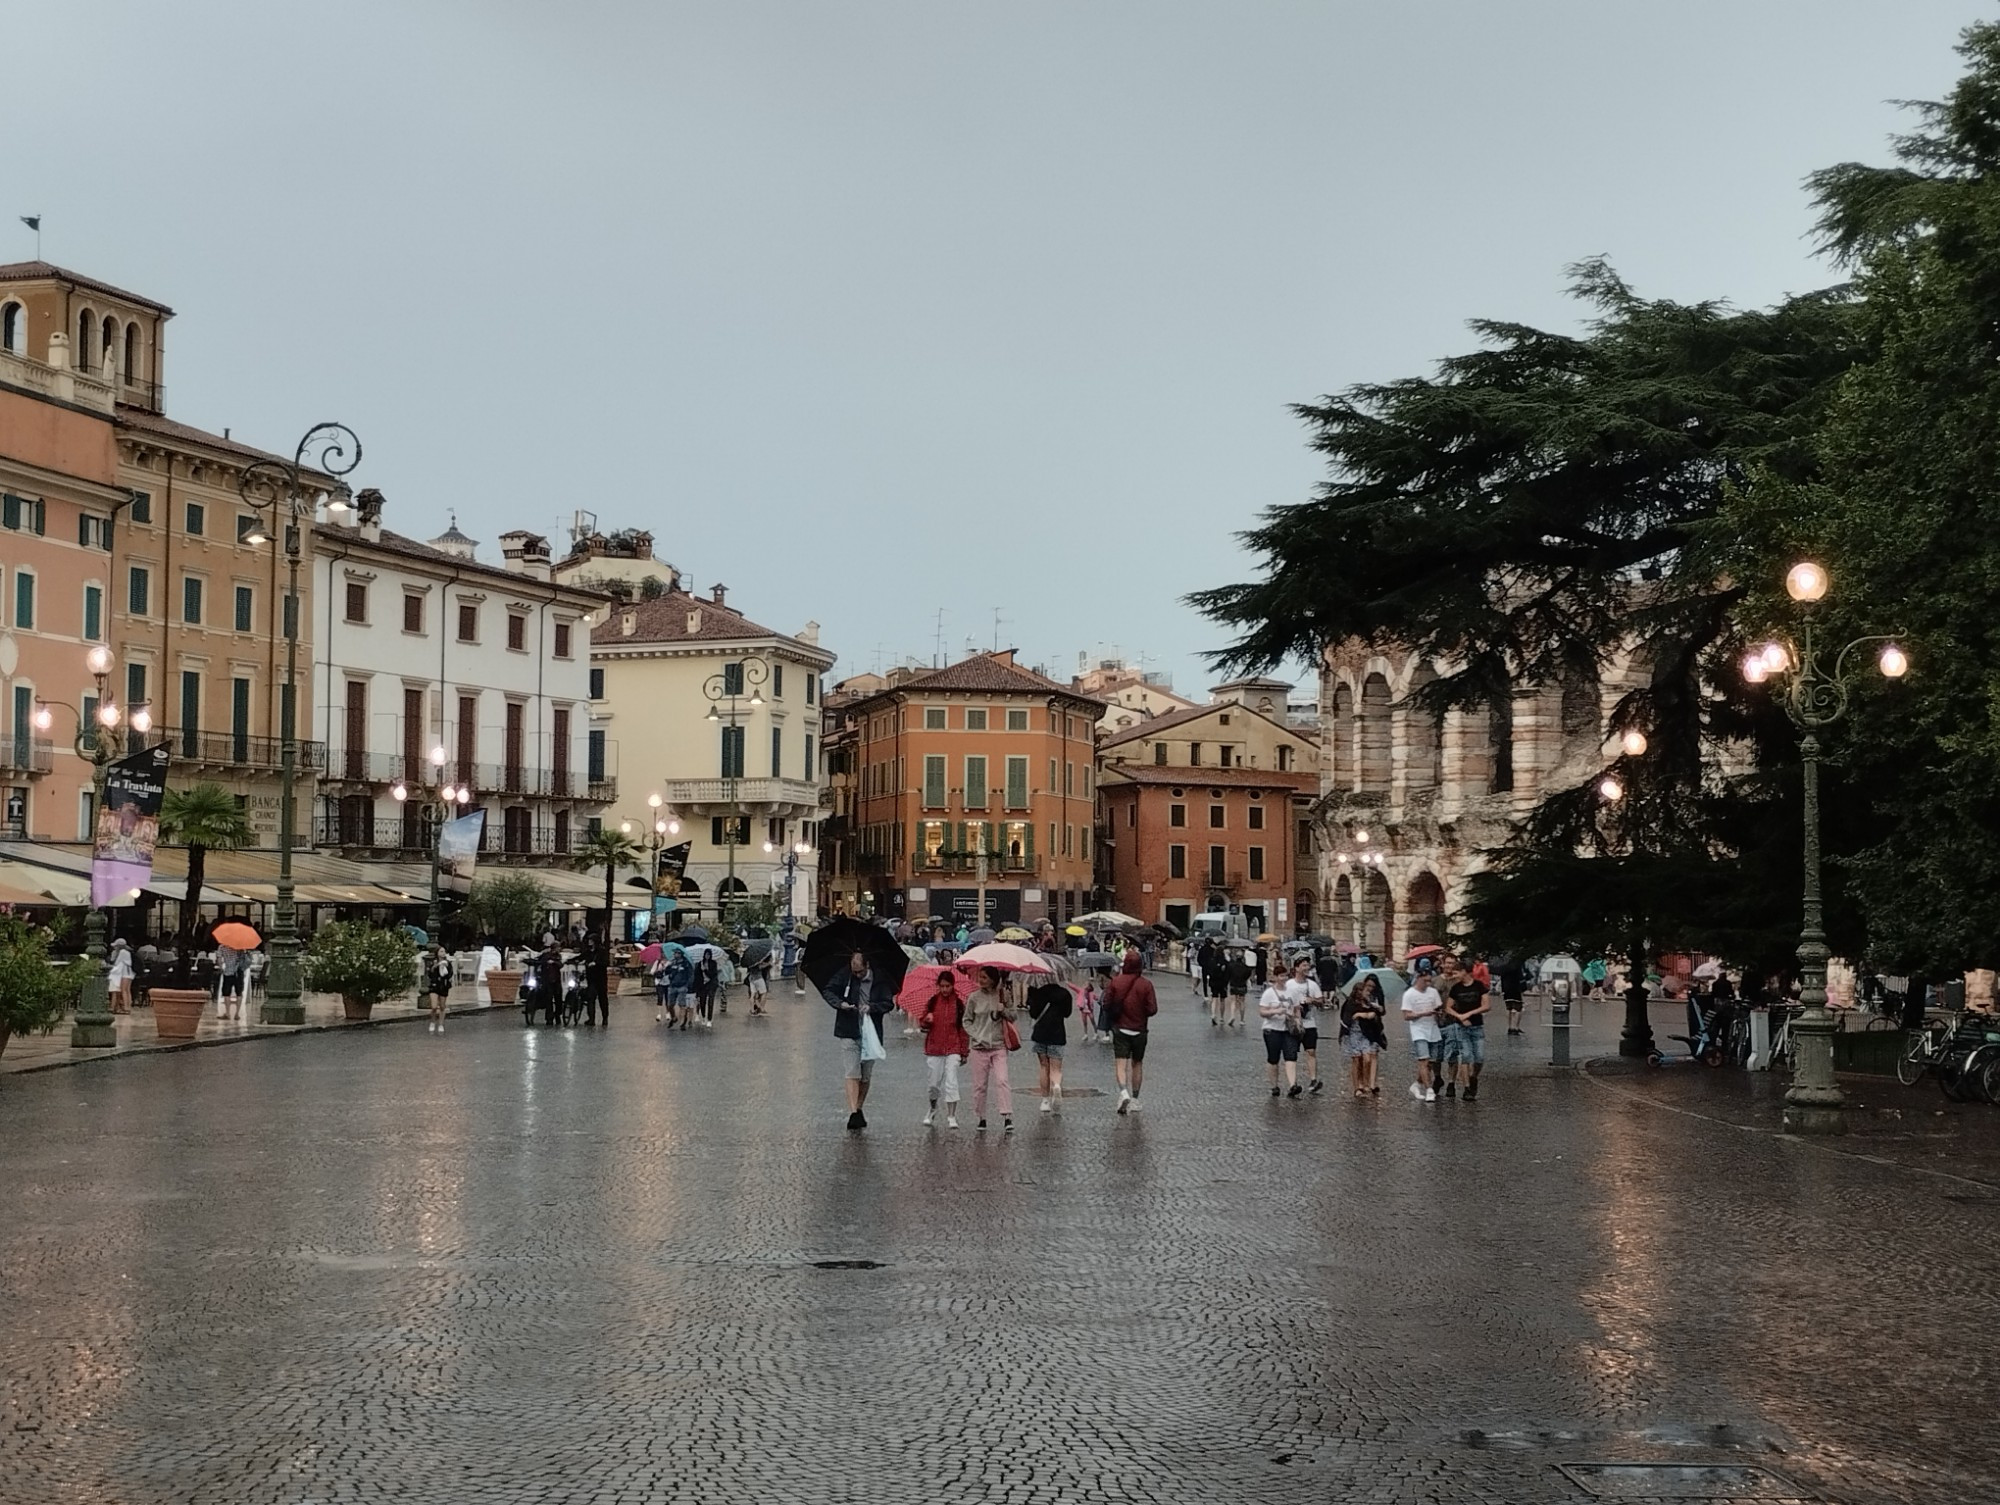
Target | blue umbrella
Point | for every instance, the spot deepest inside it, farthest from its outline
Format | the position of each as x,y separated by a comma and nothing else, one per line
415,933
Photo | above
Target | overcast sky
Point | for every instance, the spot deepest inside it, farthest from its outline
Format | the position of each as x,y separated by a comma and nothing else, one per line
869,310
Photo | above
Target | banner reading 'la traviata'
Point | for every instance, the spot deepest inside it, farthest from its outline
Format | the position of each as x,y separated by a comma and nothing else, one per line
128,826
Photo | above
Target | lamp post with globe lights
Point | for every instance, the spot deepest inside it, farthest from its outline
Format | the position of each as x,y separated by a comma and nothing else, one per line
282,493
1365,860
1636,1036
446,801
97,744
665,826
796,852
1815,697
738,684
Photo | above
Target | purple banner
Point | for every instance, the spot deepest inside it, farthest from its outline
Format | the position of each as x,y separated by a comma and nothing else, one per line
128,826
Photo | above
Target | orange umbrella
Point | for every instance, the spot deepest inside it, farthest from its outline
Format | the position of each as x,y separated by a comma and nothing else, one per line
237,936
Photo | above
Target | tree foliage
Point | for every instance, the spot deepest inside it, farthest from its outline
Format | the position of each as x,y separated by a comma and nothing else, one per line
512,908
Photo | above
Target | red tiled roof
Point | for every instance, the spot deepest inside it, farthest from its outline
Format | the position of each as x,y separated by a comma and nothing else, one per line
36,271
146,421
1299,782
665,619
1157,724
991,674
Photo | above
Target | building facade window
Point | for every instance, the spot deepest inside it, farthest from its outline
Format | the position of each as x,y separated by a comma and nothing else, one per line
1218,817
975,783
1194,755
1017,720
246,609
810,772
141,510
1176,815
1218,867
812,687
1017,783
468,622
975,719
196,517
732,752
93,532
1257,864
934,783
357,601
777,681
139,591
24,599
1256,817
1159,755
777,752
1176,861
596,684
191,599
562,639
517,632
413,612
732,679
93,613
934,718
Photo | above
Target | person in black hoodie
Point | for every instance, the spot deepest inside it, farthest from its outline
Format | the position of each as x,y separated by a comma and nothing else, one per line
1048,1005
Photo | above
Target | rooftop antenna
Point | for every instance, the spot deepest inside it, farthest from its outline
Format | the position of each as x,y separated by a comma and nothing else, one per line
937,642
878,658
997,619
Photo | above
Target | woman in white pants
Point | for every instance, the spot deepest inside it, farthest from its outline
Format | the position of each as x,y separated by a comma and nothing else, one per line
944,1047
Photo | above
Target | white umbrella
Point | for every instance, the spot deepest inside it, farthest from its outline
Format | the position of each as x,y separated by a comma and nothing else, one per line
1103,917
1388,979
1709,970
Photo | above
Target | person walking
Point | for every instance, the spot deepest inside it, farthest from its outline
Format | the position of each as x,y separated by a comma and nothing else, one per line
1214,981
945,1047
1049,1004
1421,1008
1362,1035
233,966
680,989
1281,1036
437,985
1306,995
986,1018
1465,1007
597,981
757,977
119,977
852,996
1129,1004
1513,984
549,982
707,981
1236,981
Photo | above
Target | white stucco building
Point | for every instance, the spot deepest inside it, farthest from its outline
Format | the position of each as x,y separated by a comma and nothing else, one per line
744,786
420,646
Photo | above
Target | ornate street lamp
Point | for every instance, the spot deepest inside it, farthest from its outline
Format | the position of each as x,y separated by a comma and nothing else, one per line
665,828
97,744
740,688
1366,859
793,854
446,801
276,491
1814,697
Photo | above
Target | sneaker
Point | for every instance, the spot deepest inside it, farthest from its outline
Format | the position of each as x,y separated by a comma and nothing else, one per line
1055,1104
1296,1090
1471,1091
981,1125
1416,1092
1430,1094
1317,1086
1006,1126
1451,1089
951,1121
1274,1092
1135,1105
854,1122
1124,1099
708,1024
658,1018
862,1116
930,1118
1048,1105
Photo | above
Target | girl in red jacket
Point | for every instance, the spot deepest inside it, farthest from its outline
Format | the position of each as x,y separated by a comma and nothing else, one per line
945,1046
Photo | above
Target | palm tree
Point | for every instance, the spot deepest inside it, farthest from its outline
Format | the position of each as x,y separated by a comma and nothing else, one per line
610,850
202,819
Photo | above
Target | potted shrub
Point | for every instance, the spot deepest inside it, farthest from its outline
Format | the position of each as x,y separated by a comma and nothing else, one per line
508,909
34,991
365,965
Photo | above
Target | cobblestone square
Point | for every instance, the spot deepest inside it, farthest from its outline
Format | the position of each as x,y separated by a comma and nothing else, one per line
508,1265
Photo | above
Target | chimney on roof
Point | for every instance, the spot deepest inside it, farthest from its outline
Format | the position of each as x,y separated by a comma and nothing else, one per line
810,634
1002,656
368,513
721,594
525,553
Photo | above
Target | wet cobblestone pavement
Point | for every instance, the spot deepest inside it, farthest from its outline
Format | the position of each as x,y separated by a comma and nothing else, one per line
513,1266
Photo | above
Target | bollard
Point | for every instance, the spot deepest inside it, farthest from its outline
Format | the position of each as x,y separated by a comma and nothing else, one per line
1559,989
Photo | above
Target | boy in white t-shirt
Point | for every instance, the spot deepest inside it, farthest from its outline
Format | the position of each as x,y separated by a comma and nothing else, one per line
1422,1007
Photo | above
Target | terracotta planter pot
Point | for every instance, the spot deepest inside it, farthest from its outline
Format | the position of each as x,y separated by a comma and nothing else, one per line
504,987
355,1009
177,1011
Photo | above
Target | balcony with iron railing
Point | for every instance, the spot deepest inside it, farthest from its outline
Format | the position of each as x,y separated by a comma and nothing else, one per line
997,863
417,837
353,765
23,753
228,749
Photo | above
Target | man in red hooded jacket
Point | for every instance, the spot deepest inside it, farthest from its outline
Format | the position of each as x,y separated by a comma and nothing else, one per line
1128,1003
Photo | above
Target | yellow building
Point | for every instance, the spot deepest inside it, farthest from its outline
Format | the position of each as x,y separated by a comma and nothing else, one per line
720,718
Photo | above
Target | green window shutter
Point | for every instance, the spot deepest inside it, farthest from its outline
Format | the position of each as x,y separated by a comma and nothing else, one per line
1028,843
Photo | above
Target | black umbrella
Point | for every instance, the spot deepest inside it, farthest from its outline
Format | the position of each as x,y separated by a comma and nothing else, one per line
692,933
829,947
755,951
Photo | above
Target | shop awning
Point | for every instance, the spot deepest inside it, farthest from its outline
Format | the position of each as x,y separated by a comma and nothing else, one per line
53,885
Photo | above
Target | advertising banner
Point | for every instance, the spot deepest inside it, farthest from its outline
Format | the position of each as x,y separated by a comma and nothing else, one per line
128,826
458,852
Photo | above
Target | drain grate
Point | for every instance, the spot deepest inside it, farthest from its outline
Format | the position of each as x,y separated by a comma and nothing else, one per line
847,1264
1685,1481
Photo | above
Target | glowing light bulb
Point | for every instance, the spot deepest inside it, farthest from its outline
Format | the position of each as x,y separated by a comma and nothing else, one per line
1610,788
437,755
1633,742
1893,661
44,718
1806,581
1754,670
142,719
98,660
398,791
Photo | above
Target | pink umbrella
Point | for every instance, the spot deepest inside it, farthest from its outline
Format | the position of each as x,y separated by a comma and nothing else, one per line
650,953
919,987
1003,956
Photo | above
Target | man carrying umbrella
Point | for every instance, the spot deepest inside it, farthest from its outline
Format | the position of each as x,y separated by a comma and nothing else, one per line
853,997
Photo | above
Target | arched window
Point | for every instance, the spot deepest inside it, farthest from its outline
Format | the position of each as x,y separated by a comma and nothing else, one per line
134,367
81,355
110,347
1424,923
14,329
1423,736
1340,737
1375,735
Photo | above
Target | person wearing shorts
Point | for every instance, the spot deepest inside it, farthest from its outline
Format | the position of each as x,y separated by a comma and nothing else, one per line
849,993
1129,1002
437,983
234,966
1281,1037
758,978
1305,994
1421,1009
1048,1005
1465,1007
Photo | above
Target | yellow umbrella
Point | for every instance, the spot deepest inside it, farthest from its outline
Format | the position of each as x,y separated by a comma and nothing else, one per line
1012,933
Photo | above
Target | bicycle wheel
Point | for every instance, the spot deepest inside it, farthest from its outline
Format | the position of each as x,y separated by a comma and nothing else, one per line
1955,1081
1989,1079
1915,1059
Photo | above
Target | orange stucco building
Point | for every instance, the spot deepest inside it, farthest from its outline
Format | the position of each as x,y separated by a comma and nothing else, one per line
982,764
